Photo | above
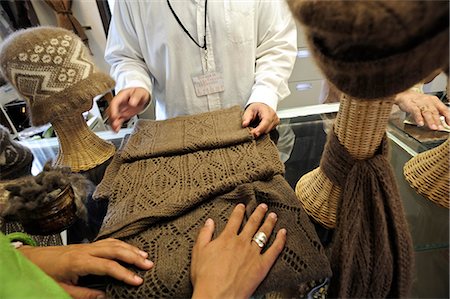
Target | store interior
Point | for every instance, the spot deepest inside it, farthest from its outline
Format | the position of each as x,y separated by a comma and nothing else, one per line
306,117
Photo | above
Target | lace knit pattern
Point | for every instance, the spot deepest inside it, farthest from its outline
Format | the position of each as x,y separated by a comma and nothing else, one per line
170,176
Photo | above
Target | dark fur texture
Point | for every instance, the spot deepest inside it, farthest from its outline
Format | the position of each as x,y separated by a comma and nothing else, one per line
35,191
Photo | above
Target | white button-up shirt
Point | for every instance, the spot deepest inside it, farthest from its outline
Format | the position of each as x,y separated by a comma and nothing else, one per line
251,43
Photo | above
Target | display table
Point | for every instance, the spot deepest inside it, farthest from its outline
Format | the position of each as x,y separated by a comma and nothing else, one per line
302,138
429,223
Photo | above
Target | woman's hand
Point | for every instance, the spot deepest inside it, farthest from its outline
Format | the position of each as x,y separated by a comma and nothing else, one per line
425,109
232,266
66,264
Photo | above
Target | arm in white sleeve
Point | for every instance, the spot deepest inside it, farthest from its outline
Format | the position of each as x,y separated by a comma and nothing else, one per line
123,51
275,53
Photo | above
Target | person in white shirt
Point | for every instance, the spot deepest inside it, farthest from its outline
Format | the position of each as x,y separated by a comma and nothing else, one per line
195,56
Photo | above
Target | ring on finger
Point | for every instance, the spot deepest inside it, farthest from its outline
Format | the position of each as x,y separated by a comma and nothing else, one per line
423,109
260,238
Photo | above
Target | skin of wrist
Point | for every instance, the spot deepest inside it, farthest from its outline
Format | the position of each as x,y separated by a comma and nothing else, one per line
201,293
208,292
24,248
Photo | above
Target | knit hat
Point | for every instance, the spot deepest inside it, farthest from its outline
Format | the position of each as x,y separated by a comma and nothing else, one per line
373,49
15,159
52,69
429,174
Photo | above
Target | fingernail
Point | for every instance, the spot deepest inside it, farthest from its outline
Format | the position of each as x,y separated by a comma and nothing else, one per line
143,253
148,262
137,279
209,222
420,124
441,127
434,127
241,205
273,215
100,297
283,231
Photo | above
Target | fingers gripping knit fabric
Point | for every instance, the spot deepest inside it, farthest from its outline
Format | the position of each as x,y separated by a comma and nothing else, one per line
172,175
371,253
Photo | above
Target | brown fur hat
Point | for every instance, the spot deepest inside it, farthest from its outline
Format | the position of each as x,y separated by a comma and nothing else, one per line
374,49
52,69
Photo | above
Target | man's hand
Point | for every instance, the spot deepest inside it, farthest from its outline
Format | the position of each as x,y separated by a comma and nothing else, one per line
126,104
232,266
425,109
267,117
66,264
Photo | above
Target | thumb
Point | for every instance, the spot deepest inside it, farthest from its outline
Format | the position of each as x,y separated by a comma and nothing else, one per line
82,293
247,117
116,102
206,233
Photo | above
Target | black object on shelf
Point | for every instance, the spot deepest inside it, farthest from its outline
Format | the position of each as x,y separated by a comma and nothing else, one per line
17,112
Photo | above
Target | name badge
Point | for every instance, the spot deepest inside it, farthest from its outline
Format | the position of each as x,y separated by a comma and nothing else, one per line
208,83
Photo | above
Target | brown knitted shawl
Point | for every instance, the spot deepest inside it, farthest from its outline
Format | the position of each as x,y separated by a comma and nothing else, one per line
371,253
170,176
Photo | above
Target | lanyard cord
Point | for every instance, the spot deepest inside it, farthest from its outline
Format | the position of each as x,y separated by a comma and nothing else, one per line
184,28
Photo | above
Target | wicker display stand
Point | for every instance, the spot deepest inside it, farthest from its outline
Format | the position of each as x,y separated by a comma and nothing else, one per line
79,147
429,174
53,71
11,226
360,126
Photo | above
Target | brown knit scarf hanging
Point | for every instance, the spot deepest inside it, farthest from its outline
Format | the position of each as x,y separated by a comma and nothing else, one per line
66,19
371,252
170,176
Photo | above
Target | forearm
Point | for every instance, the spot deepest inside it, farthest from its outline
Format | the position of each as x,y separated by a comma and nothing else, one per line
275,54
129,74
123,51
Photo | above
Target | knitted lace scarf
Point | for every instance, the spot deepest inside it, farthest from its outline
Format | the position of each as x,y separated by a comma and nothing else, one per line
371,254
172,175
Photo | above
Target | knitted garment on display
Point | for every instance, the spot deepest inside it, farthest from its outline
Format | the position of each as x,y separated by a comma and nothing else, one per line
354,45
52,69
170,176
15,159
371,253
429,174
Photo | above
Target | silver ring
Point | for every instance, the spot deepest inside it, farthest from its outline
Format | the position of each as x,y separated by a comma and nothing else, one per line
260,239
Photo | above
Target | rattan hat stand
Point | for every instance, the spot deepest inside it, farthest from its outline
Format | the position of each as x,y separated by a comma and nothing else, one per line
52,69
429,174
359,126
79,147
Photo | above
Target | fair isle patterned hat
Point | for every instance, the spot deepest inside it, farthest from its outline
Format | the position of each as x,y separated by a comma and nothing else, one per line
52,69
